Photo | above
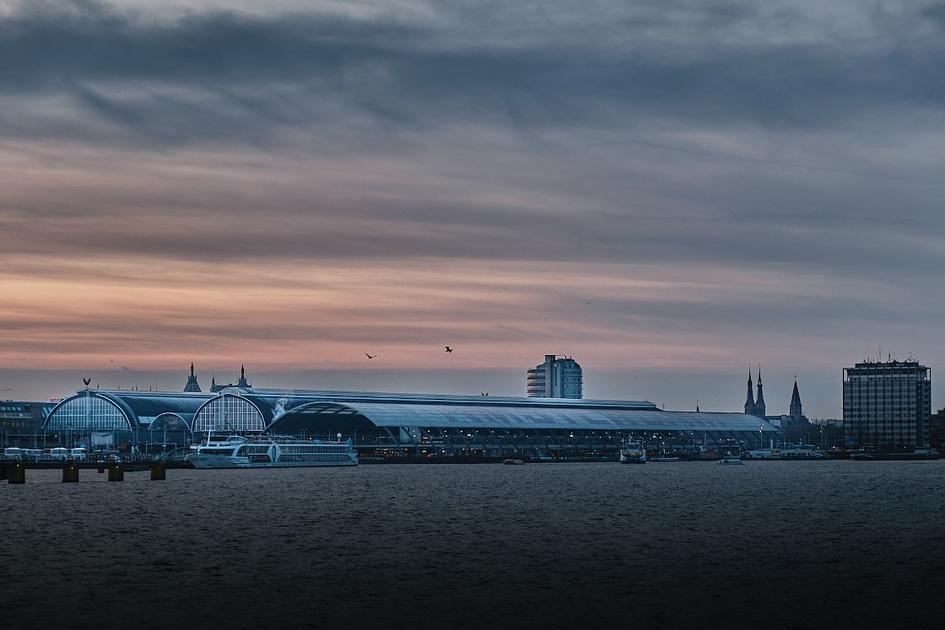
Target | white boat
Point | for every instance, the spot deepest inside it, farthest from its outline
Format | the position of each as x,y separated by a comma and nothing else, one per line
790,451
271,452
730,453
632,453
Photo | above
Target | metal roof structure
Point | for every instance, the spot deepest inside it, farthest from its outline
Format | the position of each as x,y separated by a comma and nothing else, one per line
278,408
138,408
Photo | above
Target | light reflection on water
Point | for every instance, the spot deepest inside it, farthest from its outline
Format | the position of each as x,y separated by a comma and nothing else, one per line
783,544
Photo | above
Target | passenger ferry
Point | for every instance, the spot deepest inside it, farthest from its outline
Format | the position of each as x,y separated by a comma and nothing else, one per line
632,453
271,452
790,451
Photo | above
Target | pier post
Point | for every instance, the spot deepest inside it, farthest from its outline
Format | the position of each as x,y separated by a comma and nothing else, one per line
16,473
70,473
116,472
158,471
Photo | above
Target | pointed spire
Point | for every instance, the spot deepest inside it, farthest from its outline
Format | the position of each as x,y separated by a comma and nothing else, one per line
797,409
192,384
243,384
760,400
750,399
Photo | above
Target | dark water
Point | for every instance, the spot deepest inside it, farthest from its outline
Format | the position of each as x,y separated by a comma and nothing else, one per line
767,544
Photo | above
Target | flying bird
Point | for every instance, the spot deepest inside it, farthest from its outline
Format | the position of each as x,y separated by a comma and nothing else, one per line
86,381
447,348
370,356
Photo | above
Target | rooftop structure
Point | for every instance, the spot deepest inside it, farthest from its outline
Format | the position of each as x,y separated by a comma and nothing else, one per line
192,384
555,378
394,420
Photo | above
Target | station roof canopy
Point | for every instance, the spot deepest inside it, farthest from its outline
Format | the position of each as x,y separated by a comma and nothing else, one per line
425,410
282,409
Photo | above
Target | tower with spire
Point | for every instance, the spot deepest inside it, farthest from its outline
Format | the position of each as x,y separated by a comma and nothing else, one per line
797,410
192,384
243,384
760,400
750,399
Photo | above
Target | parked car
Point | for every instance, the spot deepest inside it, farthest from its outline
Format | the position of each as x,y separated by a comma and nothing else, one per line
14,454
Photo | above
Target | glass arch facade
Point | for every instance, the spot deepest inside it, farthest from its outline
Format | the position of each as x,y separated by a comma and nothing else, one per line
169,422
229,413
87,413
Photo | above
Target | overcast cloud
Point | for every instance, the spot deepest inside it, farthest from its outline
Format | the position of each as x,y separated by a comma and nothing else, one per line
655,185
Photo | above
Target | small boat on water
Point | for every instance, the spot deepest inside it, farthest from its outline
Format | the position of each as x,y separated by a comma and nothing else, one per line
790,451
664,458
632,453
862,456
513,462
271,452
730,453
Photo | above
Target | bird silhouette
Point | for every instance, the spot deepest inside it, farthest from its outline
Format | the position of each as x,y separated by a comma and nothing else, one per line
447,349
86,381
370,356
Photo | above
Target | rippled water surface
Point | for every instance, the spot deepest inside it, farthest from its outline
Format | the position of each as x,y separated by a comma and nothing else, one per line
773,544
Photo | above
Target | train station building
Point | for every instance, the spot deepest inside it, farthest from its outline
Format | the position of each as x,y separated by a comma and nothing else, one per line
391,424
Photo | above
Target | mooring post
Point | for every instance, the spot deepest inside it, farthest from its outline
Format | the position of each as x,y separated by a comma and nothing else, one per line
70,473
16,473
116,472
158,471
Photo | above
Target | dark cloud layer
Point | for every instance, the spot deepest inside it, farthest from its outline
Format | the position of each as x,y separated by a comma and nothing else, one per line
205,75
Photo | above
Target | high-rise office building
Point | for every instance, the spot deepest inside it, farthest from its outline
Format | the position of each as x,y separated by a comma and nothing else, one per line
887,405
555,378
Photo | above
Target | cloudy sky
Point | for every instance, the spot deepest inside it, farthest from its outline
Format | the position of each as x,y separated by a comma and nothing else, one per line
668,190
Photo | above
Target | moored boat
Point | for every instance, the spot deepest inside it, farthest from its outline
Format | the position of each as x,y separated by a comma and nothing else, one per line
730,453
632,453
271,452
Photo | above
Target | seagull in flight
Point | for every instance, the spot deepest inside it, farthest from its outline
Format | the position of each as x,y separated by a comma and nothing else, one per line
447,349
370,356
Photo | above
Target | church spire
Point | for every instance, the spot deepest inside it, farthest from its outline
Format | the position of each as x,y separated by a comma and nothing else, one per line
797,410
760,400
750,399
192,384
243,384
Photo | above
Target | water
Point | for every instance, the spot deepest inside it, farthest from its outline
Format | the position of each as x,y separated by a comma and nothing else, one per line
774,544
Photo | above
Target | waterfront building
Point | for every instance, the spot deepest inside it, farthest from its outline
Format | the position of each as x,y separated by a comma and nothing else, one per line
21,422
192,384
386,424
937,430
887,405
555,378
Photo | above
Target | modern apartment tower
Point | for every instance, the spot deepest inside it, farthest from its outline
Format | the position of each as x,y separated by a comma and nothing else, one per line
555,378
887,405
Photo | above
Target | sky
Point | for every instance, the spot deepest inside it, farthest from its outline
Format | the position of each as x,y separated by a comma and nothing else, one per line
667,190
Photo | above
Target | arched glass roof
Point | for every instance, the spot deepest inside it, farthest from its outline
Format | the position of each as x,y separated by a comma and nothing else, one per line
540,417
258,409
139,408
